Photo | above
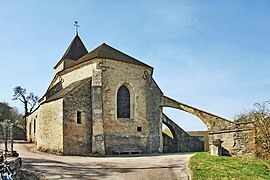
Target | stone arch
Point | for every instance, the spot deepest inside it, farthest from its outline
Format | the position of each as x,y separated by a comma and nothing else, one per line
182,142
130,92
170,125
172,143
212,122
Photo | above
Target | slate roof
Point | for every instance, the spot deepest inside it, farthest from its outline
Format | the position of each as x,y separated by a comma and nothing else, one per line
77,53
75,50
107,52
66,90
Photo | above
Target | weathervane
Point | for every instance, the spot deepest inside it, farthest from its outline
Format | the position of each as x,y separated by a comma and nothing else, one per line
77,26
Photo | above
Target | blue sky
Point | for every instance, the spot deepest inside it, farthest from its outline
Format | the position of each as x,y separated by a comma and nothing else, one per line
214,55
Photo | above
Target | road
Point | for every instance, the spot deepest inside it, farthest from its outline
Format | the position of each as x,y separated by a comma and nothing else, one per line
167,167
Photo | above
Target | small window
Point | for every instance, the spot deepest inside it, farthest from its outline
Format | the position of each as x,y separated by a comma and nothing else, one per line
34,125
79,117
139,129
30,129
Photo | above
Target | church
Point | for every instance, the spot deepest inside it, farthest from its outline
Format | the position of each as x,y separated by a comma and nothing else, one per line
106,102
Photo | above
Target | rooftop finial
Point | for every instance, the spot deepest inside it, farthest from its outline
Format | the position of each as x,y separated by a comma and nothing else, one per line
77,26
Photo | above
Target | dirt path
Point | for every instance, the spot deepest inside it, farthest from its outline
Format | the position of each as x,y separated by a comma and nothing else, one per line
167,167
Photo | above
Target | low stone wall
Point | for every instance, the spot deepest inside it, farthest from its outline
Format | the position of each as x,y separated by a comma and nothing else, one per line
169,144
15,166
204,134
182,142
185,144
31,175
238,141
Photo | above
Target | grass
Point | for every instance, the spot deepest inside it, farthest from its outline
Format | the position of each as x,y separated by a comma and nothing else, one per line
204,166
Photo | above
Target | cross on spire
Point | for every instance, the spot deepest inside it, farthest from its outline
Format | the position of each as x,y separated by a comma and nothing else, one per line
77,26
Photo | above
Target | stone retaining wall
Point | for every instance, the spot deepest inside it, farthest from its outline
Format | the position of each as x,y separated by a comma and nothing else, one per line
15,164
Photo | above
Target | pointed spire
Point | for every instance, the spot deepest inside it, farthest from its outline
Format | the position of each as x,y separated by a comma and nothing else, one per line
76,49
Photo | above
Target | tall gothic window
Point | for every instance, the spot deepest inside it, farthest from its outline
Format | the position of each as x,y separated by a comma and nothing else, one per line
123,102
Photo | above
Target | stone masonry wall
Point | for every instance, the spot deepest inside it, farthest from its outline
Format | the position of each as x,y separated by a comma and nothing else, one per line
169,144
182,142
49,134
32,121
123,132
73,74
154,114
239,141
98,145
77,137
244,144
78,74
227,137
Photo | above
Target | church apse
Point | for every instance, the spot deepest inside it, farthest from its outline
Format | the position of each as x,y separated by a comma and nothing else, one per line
126,124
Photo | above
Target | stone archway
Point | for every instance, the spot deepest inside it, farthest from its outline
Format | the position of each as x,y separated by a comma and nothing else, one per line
219,128
212,122
182,142
170,144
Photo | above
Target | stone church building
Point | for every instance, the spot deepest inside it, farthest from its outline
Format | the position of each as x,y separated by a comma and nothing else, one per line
107,102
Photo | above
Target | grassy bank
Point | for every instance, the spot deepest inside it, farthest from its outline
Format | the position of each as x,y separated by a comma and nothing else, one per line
204,166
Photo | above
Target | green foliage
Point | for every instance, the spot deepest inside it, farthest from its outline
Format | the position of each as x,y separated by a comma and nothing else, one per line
204,166
11,114
5,111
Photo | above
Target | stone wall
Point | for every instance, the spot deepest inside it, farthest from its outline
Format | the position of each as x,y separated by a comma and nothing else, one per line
239,141
31,126
227,138
169,144
98,138
77,74
204,134
182,142
76,136
244,139
154,114
244,144
60,67
123,132
73,74
49,136
15,164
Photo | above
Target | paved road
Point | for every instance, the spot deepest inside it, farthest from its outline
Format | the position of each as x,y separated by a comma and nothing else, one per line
167,167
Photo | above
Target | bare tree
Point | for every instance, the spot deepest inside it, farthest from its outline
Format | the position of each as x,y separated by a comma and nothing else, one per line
29,101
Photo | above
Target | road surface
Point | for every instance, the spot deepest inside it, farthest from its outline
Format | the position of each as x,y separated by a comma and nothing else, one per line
167,167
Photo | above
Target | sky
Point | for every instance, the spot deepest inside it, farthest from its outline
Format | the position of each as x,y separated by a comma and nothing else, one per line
213,55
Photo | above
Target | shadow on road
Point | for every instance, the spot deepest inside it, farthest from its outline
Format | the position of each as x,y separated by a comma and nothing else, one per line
78,170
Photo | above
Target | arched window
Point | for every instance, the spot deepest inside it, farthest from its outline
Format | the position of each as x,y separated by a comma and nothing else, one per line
123,102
